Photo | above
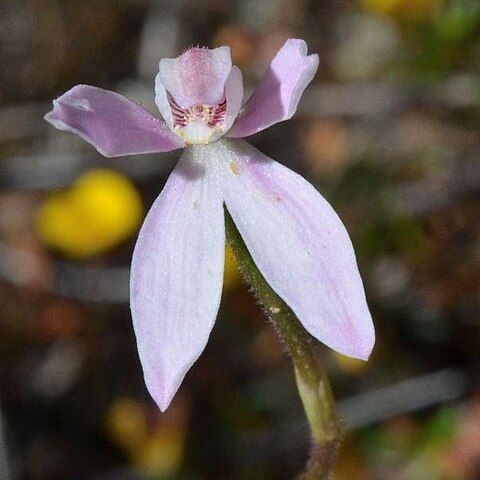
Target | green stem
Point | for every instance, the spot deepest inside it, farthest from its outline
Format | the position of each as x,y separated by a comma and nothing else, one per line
312,382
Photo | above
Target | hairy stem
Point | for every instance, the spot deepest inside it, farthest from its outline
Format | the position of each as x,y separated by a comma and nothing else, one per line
312,382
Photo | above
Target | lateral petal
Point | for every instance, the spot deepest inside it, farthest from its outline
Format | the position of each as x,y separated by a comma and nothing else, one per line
114,125
176,276
161,100
301,247
233,96
278,93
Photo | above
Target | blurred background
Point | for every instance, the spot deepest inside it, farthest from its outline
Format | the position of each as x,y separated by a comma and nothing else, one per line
388,131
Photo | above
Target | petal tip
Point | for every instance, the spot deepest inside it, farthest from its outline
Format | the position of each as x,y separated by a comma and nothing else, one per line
365,354
164,403
53,117
364,348
302,49
161,388
299,43
314,60
49,116
360,352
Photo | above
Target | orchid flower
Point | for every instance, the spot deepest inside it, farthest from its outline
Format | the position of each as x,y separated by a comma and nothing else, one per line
292,233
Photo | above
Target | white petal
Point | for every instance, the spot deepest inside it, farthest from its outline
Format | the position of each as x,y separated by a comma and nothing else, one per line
162,102
177,271
300,246
233,95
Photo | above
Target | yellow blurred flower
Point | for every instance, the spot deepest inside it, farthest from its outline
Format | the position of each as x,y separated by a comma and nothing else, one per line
154,442
100,210
162,454
127,423
403,9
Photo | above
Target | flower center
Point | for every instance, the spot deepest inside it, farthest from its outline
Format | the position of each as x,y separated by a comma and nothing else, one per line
200,123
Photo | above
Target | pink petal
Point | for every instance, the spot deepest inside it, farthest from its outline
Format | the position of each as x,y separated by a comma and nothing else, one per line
197,77
233,95
278,93
162,102
176,276
301,247
114,125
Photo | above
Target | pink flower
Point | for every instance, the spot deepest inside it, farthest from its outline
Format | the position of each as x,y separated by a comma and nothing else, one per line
293,234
